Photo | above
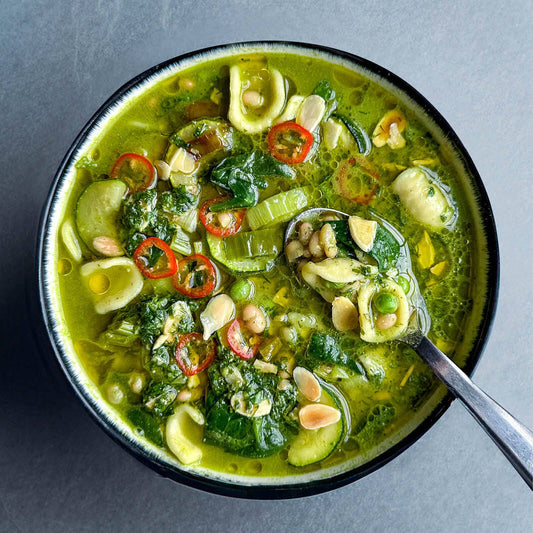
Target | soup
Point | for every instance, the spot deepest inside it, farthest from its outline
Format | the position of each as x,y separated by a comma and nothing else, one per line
211,336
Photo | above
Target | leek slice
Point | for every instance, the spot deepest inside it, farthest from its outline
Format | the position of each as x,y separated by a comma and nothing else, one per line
181,242
254,122
279,208
247,251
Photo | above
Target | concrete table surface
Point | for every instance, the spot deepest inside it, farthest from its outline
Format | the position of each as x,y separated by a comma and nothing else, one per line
60,60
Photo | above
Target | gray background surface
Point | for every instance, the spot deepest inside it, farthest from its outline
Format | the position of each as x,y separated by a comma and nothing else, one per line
61,60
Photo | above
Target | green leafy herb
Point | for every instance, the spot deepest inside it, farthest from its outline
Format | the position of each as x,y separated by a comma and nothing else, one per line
159,397
386,249
176,201
325,349
178,141
252,437
243,175
379,417
324,90
146,423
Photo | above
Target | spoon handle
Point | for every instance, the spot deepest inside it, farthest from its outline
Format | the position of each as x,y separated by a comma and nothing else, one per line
513,438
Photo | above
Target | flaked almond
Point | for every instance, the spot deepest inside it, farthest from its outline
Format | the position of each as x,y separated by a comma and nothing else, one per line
315,416
363,232
344,314
307,383
107,246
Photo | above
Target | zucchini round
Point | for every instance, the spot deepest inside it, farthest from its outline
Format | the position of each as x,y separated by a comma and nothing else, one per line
97,210
313,445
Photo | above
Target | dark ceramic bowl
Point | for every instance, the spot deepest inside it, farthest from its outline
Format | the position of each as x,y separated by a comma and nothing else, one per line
487,273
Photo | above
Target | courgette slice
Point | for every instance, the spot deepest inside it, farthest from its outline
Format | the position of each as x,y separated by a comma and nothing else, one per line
255,257
98,209
311,446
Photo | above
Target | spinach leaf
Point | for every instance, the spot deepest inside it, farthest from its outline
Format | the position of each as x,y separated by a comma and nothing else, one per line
142,217
243,175
379,417
358,133
325,90
323,348
159,397
386,249
176,201
251,437
147,424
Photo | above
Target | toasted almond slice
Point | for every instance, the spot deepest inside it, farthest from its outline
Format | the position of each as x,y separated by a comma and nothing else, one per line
107,246
311,112
344,314
363,232
307,383
315,416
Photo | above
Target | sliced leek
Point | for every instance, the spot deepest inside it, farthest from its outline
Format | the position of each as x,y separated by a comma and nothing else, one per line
279,208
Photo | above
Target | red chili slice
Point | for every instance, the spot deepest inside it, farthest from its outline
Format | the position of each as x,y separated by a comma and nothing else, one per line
195,277
194,354
357,180
134,170
155,259
242,341
212,221
289,142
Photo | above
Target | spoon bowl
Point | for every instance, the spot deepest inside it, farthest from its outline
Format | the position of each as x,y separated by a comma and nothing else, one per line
513,438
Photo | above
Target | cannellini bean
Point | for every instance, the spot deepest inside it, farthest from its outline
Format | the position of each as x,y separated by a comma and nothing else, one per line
315,416
107,246
254,319
163,169
305,232
115,394
314,245
386,321
328,240
218,312
344,314
307,383
293,251
252,98
136,383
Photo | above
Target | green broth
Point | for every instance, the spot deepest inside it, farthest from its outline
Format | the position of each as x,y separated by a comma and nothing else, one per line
144,125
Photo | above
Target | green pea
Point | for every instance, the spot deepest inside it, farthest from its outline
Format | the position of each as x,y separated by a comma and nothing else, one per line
242,289
404,284
386,303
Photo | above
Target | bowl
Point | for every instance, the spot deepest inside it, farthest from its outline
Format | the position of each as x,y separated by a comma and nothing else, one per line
250,486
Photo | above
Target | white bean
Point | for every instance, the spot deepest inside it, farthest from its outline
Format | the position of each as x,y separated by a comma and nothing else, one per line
294,250
254,319
386,321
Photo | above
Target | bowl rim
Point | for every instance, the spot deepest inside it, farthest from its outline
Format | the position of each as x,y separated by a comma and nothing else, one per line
317,486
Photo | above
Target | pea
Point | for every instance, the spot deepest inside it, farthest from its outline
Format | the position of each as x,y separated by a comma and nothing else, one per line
404,284
242,289
386,303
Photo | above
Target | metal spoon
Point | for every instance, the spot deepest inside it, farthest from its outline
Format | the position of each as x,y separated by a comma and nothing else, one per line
513,438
